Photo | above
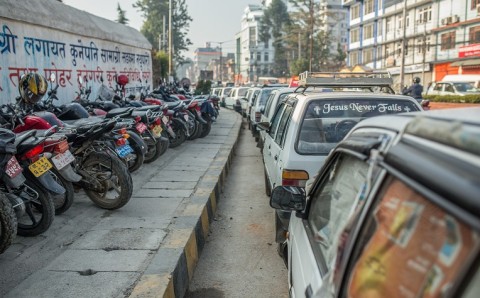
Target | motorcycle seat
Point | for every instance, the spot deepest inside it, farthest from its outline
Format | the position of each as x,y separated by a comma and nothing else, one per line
173,105
119,112
21,137
153,108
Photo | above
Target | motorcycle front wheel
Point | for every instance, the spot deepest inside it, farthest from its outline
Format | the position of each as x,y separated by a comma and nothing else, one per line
8,223
179,133
112,174
136,158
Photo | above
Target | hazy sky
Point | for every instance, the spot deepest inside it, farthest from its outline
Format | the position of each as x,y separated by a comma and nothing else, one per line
213,20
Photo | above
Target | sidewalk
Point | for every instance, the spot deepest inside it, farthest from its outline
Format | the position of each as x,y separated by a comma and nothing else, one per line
150,247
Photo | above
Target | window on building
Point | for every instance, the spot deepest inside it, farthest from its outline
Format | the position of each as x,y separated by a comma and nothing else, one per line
259,56
353,58
368,31
423,46
368,5
388,51
448,41
379,29
424,14
354,35
367,55
474,35
253,36
355,12
251,55
475,3
388,25
265,57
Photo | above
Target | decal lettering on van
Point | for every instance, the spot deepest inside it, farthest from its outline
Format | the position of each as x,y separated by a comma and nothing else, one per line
360,107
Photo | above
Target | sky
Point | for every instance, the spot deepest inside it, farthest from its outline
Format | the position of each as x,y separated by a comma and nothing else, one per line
213,20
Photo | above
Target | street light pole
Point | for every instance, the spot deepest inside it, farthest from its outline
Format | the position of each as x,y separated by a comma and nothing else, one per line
404,45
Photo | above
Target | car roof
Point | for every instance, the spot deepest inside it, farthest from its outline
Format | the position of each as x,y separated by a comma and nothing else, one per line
346,94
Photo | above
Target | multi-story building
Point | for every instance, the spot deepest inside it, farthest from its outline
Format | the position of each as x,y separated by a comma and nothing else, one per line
335,22
436,37
253,57
202,58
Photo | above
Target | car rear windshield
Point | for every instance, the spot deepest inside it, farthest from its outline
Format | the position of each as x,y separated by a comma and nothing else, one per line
326,122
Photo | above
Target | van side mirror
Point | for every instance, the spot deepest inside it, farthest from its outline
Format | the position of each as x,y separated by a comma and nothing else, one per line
264,126
289,198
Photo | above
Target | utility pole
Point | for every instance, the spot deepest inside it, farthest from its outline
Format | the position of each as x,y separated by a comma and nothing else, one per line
311,35
404,45
170,29
164,33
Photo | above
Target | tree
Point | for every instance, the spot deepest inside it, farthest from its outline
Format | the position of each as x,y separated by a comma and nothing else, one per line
159,65
307,21
273,25
121,18
154,13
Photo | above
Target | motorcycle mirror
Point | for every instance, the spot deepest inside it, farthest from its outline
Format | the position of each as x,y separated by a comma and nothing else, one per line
52,77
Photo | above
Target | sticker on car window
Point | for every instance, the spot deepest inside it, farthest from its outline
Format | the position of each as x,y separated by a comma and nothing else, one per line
327,108
416,249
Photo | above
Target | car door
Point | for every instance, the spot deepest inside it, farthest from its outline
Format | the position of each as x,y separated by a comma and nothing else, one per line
314,238
278,145
268,157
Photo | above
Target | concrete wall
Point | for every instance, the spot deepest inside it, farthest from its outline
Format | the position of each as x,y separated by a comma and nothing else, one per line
47,36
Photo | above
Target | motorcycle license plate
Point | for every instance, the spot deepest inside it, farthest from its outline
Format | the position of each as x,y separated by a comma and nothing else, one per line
13,168
124,150
62,159
39,167
157,130
140,127
165,120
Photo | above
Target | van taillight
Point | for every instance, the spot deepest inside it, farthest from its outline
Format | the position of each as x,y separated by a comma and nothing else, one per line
294,178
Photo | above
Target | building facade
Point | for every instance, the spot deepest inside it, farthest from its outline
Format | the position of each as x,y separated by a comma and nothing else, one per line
253,57
335,22
438,37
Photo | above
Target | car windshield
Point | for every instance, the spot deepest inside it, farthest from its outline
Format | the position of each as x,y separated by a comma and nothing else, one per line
465,87
242,92
264,96
326,122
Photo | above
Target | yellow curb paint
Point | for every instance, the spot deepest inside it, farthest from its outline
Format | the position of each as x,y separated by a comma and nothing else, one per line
205,225
213,202
191,254
153,285
193,210
177,238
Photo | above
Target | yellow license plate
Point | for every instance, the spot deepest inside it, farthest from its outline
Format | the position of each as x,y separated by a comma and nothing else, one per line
157,130
40,166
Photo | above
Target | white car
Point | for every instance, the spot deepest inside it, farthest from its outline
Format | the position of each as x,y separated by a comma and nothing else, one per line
258,106
307,126
394,212
251,94
224,92
236,96
273,102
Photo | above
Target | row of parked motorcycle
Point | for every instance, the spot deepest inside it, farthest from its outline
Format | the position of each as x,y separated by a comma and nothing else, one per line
48,151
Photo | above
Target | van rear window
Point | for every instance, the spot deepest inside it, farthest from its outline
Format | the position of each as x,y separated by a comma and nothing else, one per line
326,122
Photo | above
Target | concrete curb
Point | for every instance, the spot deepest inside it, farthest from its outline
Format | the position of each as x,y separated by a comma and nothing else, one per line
171,270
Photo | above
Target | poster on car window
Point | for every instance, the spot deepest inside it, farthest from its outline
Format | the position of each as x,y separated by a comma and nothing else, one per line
415,250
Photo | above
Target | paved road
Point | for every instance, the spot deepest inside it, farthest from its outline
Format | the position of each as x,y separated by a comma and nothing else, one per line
239,258
91,252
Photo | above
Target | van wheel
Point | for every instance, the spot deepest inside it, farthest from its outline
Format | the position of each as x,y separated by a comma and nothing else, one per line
268,189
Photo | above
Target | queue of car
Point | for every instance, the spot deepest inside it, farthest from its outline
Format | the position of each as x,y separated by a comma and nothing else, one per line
373,196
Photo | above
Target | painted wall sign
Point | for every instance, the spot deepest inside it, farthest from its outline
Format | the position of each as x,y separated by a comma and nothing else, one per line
27,48
472,50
